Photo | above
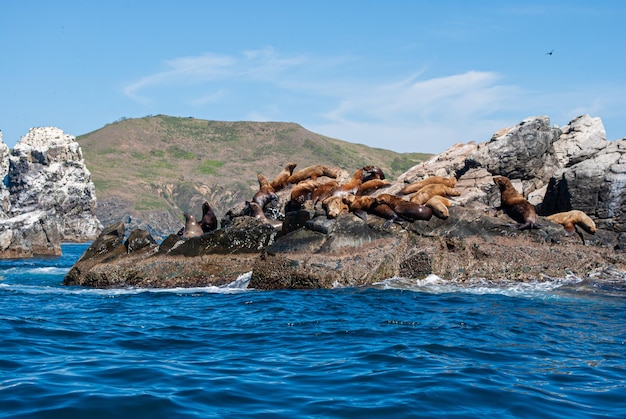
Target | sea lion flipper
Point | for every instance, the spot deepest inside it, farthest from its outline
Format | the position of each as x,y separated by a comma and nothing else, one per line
361,214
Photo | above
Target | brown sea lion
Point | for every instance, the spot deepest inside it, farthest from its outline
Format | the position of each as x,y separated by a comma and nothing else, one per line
407,210
255,211
359,205
570,219
209,220
352,186
323,191
372,172
301,193
280,181
313,172
416,186
372,185
365,204
266,192
439,205
515,205
334,205
423,195
192,228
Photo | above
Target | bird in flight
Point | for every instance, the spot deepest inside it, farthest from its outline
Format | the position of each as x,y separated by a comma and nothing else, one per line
549,53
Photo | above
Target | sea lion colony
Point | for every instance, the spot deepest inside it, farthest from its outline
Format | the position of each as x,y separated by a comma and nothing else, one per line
318,187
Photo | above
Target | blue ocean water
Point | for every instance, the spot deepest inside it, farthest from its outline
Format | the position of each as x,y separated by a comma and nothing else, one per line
405,348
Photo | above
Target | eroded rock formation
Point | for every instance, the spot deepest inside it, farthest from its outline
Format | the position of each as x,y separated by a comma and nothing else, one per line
47,195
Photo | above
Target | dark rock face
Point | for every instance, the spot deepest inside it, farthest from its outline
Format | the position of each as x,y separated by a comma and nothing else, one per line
215,258
556,169
470,244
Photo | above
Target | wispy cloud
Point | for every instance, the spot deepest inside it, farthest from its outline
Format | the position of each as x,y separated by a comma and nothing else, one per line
410,112
252,65
182,70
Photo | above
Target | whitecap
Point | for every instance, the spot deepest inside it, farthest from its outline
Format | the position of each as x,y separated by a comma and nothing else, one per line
238,285
48,270
436,285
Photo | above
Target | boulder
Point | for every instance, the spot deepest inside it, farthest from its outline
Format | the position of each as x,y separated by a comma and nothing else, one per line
25,235
213,259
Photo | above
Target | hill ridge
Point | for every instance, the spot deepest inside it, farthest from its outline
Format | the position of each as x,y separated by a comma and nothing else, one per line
148,171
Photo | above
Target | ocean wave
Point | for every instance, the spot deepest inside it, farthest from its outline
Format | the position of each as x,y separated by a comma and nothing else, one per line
42,270
436,285
238,285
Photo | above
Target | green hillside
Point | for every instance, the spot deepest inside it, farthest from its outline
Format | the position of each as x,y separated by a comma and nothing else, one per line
170,163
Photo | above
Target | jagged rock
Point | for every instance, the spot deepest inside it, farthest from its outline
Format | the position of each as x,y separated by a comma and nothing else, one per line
139,239
47,172
523,152
215,258
583,137
5,202
46,196
29,234
470,244
574,167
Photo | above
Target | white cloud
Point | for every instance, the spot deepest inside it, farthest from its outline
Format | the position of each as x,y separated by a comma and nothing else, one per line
253,65
182,70
403,112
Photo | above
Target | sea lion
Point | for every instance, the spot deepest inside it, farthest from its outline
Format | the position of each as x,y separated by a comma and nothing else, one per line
323,191
209,220
570,219
372,185
280,181
266,192
423,195
255,211
334,205
366,204
515,205
416,186
410,211
192,228
359,205
313,172
363,174
372,172
439,205
301,193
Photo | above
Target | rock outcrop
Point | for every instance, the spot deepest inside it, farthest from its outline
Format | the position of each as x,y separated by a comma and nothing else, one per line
47,195
573,167
5,202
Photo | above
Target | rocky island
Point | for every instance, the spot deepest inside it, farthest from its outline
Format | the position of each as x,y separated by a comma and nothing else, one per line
557,169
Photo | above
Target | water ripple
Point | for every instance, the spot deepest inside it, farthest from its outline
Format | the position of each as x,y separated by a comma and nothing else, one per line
405,348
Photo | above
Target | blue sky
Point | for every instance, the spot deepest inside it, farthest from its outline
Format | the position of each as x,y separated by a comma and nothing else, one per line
410,76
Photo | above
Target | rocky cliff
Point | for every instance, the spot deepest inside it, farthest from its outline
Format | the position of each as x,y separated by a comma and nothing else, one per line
47,195
558,169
